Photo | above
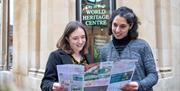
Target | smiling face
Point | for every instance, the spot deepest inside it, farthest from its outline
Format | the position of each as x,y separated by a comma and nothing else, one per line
120,27
77,40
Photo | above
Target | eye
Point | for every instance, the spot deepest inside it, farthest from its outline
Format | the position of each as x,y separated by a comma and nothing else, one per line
75,38
123,26
115,25
83,37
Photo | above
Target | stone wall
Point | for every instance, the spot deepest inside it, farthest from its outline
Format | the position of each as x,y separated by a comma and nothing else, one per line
39,23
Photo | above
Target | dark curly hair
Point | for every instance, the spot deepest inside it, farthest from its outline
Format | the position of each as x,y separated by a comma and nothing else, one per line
131,18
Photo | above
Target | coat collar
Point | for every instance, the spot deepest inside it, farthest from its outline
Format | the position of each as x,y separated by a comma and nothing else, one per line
66,59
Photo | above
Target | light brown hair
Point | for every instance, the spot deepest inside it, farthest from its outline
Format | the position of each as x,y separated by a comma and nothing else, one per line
63,42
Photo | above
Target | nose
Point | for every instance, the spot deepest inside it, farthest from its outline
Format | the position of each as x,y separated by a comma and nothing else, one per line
80,40
118,29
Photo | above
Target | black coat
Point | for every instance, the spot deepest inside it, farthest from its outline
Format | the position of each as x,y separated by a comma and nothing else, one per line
57,57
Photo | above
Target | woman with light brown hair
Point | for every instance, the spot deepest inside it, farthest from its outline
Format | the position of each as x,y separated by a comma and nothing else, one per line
72,49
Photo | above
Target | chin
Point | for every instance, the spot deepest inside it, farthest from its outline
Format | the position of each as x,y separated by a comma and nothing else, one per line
118,37
79,49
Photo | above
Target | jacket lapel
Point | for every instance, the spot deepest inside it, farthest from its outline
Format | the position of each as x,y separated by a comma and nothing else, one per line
66,59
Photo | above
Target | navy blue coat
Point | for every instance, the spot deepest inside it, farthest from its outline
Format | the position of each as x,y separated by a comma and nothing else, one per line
57,57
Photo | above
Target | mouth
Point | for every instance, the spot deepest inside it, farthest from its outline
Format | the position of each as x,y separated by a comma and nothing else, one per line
80,46
118,35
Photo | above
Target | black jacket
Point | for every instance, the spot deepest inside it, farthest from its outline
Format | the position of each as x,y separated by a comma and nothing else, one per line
50,76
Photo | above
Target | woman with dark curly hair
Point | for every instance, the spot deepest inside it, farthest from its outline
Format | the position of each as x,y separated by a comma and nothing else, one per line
123,27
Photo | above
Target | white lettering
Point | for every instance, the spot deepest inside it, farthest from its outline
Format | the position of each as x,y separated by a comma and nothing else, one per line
98,11
97,22
95,17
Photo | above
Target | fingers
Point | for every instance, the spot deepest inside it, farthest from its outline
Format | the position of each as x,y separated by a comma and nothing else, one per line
132,86
58,87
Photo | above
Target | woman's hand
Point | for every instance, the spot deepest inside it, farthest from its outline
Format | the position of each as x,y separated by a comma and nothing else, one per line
132,86
58,87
